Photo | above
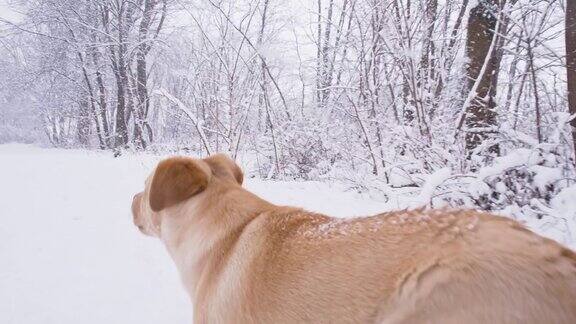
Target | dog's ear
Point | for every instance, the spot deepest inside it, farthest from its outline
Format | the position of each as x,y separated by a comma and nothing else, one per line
224,167
177,179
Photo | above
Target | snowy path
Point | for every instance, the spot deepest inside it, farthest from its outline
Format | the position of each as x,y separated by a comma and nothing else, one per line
69,253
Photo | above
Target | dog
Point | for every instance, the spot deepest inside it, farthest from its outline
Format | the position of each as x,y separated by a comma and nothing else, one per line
245,260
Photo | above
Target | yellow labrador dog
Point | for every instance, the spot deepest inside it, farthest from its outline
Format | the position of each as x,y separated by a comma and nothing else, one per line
245,260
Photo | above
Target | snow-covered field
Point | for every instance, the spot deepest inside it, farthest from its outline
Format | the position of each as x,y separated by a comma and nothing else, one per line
68,250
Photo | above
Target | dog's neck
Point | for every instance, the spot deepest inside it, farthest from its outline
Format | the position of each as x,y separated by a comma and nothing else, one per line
207,226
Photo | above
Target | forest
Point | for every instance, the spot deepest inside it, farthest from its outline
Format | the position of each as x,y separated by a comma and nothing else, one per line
460,103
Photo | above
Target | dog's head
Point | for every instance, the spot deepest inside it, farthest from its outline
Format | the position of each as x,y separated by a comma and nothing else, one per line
177,180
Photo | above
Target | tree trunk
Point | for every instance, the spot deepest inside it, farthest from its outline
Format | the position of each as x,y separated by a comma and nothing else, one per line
428,48
319,56
102,101
83,125
482,72
264,80
324,40
143,107
122,87
571,62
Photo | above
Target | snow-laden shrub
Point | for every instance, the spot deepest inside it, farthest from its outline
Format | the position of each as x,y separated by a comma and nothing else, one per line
304,155
534,184
519,178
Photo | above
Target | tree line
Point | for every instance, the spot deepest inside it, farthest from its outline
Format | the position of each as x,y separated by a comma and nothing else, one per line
304,87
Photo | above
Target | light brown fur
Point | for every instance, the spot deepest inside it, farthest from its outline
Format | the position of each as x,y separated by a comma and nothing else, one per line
245,260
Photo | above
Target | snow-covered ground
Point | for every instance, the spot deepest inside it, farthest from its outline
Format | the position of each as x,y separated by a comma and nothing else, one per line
68,250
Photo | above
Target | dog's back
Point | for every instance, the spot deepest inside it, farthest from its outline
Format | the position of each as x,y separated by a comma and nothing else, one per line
499,273
407,267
